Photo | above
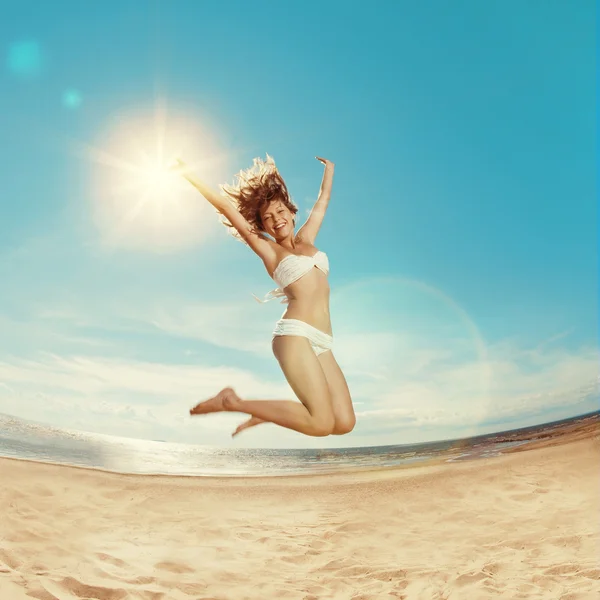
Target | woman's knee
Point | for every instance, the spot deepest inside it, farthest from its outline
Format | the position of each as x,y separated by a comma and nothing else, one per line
322,428
344,425
322,424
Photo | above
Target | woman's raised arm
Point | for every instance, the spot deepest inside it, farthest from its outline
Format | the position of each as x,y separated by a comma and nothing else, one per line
209,193
261,245
308,232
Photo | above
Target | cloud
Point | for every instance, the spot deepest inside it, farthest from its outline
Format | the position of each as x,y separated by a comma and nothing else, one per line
151,400
123,397
241,326
417,366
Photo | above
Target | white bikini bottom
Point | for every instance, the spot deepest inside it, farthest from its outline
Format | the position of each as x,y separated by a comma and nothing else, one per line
319,340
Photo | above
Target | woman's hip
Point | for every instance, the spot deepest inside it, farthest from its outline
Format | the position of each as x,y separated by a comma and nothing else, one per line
316,316
320,341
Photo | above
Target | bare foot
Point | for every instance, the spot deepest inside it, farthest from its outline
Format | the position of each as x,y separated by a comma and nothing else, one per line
251,422
225,400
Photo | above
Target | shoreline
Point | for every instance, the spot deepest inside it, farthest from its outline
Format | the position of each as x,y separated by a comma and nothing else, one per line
424,467
562,435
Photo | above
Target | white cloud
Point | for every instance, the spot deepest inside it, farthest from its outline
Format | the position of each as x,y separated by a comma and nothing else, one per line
119,397
417,367
152,400
236,325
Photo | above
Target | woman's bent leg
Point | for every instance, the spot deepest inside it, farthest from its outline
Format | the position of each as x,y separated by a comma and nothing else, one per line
314,416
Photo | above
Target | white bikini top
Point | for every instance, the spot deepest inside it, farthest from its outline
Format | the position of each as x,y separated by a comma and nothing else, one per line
291,268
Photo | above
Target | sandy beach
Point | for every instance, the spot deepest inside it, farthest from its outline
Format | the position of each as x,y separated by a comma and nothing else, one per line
523,525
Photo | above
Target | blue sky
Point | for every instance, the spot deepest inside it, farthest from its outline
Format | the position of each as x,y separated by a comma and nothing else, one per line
461,232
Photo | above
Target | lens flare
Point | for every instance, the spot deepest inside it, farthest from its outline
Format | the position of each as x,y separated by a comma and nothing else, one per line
413,354
71,98
25,58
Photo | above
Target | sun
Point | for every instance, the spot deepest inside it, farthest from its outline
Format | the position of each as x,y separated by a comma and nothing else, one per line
159,180
138,200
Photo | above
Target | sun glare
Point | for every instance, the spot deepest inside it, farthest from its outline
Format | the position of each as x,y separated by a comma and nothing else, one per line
139,201
159,180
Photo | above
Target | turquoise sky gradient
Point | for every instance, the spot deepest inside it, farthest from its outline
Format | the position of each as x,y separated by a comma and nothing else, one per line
462,231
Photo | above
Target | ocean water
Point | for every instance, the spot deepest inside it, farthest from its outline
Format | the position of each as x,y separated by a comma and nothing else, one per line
28,440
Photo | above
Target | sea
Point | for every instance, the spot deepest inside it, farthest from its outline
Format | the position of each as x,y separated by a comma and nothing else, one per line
29,440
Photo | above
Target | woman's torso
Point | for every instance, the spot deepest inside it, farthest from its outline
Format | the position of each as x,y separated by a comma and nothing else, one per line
308,296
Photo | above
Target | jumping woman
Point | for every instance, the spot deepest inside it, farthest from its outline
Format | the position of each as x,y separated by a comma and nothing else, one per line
256,206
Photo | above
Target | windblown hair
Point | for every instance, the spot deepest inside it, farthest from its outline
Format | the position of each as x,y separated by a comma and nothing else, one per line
253,189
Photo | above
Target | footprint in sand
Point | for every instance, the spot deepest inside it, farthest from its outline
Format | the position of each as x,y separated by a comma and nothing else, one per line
566,569
8,562
470,578
395,575
69,587
591,574
494,568
113,560
173,567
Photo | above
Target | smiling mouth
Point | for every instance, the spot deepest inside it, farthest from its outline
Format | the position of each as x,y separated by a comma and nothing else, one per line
279,227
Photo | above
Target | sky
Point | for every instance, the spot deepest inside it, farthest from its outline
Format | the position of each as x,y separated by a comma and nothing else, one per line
461,232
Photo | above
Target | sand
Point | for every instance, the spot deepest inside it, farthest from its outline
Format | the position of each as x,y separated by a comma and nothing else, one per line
524,525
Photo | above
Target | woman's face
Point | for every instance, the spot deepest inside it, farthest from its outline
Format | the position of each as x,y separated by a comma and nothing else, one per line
277,219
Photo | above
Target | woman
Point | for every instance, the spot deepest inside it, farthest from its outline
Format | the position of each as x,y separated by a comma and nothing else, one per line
257,205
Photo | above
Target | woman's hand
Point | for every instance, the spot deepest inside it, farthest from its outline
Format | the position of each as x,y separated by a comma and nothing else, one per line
178,166
326,162
181,168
